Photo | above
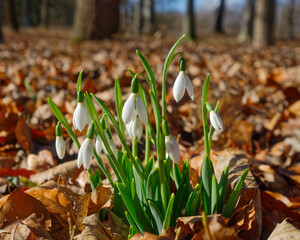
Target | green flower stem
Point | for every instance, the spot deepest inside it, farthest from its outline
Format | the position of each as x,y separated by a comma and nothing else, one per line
211,128
100,163
134,148
165,70
147,144
204,114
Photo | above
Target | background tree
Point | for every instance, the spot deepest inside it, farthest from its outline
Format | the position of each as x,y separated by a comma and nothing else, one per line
45,15
149,16
11,14
95,19
291,19
263,23
138,17
220,14
246,30
189,27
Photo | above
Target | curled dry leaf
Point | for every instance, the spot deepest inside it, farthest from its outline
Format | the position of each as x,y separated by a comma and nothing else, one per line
29,228
19,205
94,230
285,230
149,236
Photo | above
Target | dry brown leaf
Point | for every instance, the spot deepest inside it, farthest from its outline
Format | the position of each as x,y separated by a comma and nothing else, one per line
29,228
295,108
23,134
149,236
20,205
286,231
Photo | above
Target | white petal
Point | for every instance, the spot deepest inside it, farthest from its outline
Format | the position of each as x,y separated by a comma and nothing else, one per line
80,116
88,152
88,117
137,128
216,121
172,149
128,112
141,110
189,87
80,157
74,122
129,130
98,145
179,86
60,147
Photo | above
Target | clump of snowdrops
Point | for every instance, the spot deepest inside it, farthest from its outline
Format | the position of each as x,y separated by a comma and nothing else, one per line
142,193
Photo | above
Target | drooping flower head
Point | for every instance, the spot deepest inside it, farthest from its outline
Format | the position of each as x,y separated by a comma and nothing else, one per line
134,128
86,150
59,142
182,83
134,106
171,144
215,119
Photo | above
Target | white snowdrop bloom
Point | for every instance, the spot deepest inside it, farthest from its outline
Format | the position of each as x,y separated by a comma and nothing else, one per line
133,107
98,145
172,148
135,129
216,120
182,83
85,153
60,147
80,116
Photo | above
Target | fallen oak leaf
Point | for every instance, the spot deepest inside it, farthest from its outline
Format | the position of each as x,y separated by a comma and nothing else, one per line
20,205
285,230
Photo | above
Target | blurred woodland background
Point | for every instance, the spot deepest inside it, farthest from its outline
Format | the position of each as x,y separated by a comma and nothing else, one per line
260,22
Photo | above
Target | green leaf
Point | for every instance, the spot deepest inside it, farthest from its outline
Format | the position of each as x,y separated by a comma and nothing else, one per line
158,218
132,224
119,105
149,166
152,190
214,195
206,180
191,205
149,72
79,79
223,188
169,213
176,175
234,196
179,201
186,178
118,203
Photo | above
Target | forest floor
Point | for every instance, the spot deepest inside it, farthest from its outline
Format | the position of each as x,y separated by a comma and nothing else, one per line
259,93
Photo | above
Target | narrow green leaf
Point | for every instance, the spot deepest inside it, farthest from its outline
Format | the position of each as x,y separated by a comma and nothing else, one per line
223,188
214,195
149,166
234,196
157,216
179,201
186,169
152,190
119,105
132,224
169,213
79,79
176,175
206,180
118,202
192,197
211,128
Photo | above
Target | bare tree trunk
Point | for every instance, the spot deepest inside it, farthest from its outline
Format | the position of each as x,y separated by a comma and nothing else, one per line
219,22
263,23
291,19
45,13
95,19
246,30
10,6
149,16
25,13
190,20
138,17
1,34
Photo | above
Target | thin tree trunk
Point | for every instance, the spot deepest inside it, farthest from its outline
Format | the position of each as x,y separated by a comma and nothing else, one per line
149,16
95,19
219,22
190,20
10,6
25,13
291,19
246,30
138,17
263,23
1,34
45,13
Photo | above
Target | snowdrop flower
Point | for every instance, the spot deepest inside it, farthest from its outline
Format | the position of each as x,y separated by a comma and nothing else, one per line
98,144
86,150
134,106
182,82
171,144
135,128
110,143
59,142
216,120
81,115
